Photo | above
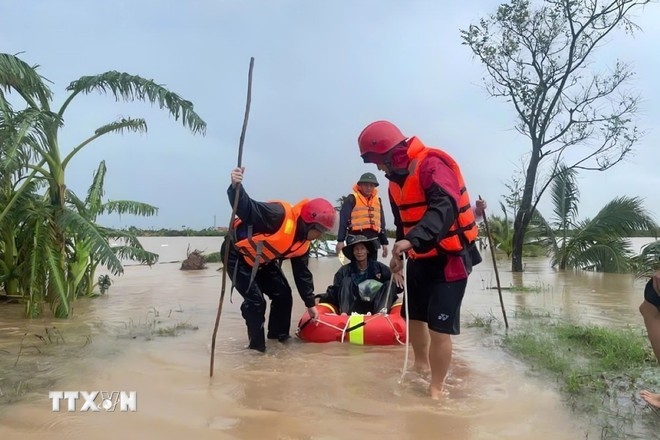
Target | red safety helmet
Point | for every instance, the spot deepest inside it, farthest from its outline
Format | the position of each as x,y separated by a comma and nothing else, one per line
378,138
319,212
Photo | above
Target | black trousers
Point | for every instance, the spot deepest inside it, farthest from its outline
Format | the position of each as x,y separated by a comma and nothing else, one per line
268,281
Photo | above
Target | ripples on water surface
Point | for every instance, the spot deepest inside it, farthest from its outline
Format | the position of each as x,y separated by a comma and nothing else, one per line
297,390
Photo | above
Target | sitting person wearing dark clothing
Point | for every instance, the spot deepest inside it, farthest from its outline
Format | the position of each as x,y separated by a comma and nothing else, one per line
362,285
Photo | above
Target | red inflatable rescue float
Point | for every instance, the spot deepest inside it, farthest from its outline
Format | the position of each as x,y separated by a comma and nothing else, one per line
378,329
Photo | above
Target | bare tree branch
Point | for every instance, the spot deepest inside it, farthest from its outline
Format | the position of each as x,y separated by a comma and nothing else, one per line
540,59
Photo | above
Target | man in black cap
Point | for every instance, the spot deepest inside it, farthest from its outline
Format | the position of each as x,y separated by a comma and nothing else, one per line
362,213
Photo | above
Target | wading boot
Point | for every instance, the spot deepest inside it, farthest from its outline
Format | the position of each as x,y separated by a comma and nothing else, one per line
257,340
281,337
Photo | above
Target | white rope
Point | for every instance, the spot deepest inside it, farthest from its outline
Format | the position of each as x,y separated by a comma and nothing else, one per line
383,315
405,301
396,333
329,325
343,332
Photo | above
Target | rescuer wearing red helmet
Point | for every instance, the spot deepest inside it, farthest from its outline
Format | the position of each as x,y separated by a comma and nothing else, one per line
264,234
436,228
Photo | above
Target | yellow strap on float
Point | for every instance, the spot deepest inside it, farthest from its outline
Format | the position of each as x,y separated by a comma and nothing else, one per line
356,335
328,305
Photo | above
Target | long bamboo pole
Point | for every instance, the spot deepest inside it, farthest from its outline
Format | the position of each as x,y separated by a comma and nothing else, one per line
497,274
233,217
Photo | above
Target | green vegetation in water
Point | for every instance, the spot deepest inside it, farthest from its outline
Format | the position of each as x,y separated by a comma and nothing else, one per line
483,322
155,325
33,364
599,370
213,257
536,288
104,283
175,330
585,358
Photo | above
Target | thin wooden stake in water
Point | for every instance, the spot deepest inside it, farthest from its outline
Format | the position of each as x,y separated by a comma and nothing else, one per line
233,216
497,274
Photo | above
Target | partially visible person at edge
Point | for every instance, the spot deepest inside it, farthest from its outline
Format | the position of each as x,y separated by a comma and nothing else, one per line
362,213
362,285
265,233
650,310
435,226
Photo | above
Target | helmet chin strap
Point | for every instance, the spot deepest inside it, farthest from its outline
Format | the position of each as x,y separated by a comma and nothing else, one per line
304,228
398,171
398,157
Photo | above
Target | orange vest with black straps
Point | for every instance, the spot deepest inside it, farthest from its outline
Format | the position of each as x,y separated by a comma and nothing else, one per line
412,204
366,212
264,248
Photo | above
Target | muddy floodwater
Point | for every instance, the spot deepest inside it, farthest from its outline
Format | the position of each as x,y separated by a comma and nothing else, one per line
151,334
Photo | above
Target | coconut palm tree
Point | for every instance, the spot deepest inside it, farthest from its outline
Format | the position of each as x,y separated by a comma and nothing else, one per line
501,231
53,222
600,243
648,261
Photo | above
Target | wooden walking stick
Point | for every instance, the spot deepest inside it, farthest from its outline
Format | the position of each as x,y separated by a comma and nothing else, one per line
497,274
233,216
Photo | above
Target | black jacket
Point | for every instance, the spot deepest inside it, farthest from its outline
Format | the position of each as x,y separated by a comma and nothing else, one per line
267,218
344,296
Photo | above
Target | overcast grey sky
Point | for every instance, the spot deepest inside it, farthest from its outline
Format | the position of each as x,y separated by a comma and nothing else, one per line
323,70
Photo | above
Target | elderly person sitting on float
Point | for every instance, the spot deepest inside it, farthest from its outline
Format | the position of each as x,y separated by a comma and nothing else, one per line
362,286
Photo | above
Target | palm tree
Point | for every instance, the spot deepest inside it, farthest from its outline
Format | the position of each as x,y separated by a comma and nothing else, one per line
648,261
52,223
600,243
501,231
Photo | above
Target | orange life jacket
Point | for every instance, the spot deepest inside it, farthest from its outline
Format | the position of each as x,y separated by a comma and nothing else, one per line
366,213
264,248
412,204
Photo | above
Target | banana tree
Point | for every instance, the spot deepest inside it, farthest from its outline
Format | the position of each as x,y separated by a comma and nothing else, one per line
17,132
18,77
82,261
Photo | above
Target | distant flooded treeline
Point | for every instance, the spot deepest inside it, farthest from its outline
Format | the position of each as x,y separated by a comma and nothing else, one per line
222,231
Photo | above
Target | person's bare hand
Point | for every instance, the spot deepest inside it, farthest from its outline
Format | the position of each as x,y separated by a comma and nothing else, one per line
396,264
237,176
481,206
313,313
397,277
385,252
400,247
340,245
